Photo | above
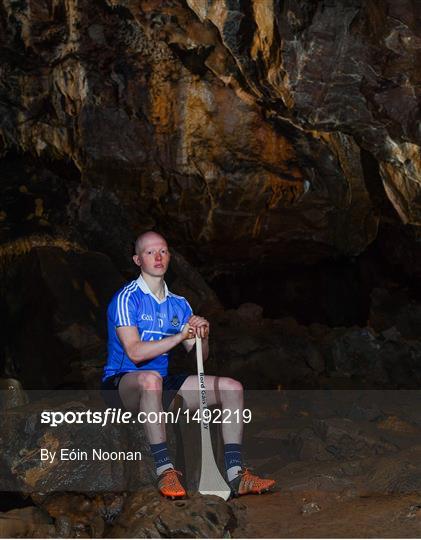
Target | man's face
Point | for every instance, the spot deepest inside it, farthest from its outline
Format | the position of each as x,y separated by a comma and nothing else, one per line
153,256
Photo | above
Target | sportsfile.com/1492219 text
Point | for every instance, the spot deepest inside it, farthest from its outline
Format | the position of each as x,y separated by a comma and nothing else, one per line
118,416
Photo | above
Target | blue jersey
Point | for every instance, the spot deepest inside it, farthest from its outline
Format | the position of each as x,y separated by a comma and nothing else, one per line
136,305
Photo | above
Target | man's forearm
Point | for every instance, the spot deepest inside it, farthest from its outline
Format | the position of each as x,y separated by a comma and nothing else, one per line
146,350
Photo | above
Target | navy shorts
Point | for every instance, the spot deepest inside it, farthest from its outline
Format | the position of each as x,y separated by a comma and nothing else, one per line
171,384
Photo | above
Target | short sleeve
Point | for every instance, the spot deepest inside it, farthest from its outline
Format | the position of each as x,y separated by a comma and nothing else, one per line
188,312
124,308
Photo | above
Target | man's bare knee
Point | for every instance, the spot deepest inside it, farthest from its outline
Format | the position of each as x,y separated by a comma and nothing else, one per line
150,381
229,391
226,384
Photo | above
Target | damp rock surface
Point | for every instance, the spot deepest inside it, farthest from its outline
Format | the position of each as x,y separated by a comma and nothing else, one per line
148,515
237,129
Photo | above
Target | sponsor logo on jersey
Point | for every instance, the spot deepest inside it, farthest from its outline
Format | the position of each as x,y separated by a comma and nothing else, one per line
146,317
175,321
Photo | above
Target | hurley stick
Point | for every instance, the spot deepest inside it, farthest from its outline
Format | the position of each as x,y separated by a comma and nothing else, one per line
211,481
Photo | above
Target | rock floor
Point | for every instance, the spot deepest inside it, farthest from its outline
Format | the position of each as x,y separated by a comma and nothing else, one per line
279,515
346,465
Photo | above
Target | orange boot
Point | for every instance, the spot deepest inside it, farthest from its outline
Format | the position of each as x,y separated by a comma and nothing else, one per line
169,485
246,483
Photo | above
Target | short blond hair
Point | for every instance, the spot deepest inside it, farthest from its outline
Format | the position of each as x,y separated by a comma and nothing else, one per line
137,247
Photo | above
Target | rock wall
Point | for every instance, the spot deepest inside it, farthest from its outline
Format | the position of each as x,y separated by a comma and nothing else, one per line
235,127
253,134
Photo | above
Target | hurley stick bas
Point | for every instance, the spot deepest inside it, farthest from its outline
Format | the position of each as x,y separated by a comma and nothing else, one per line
211,481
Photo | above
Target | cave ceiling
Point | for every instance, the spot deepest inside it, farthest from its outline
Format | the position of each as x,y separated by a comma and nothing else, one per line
240,129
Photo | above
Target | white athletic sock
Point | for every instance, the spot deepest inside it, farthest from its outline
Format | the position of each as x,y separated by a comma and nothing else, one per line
233,472
163,468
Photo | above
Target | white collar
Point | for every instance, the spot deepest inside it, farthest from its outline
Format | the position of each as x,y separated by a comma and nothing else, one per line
144,287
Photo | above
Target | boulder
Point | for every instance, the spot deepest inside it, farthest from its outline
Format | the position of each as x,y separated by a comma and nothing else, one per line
321,476
77,514
28,522
387,360
340,439
54,306
72,464
12,394
394,309
345,439
397,474
308,446
148,515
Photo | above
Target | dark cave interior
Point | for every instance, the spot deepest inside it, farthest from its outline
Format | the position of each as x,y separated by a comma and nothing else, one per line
334,292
